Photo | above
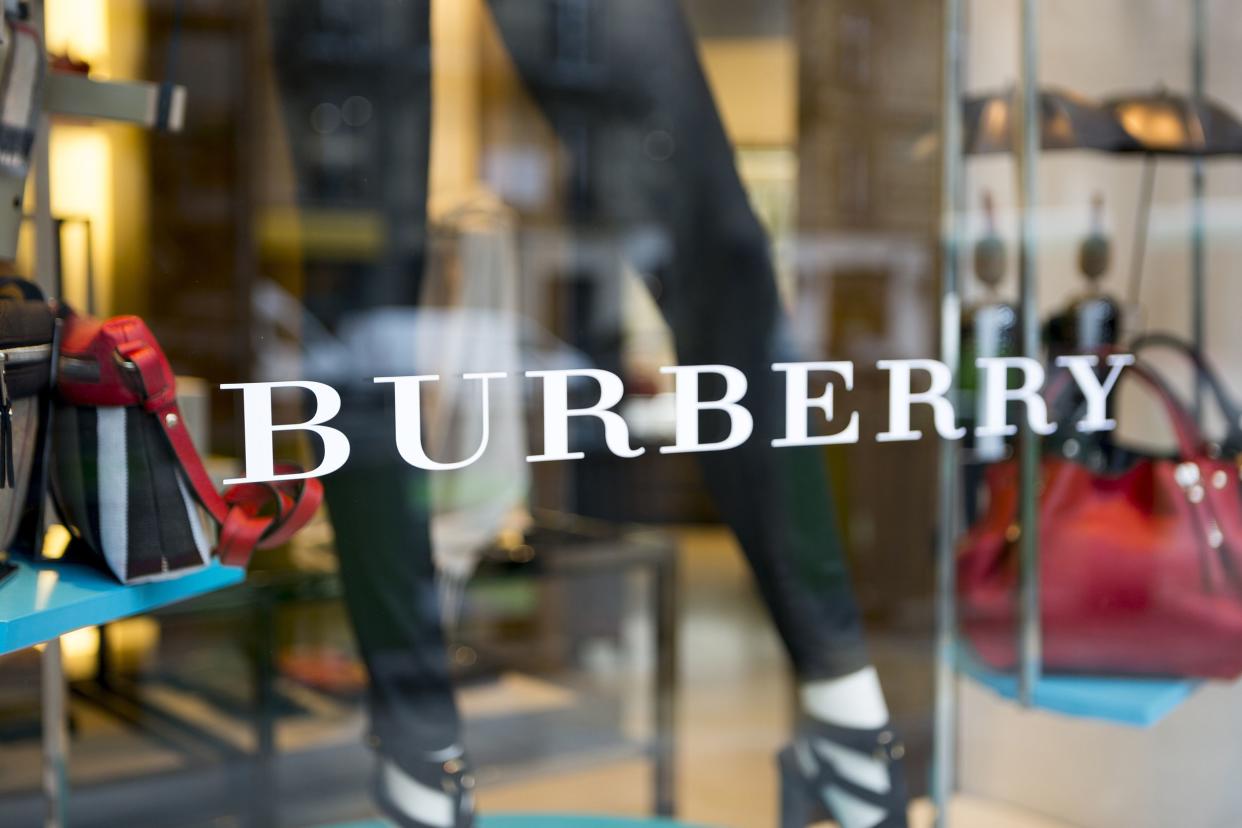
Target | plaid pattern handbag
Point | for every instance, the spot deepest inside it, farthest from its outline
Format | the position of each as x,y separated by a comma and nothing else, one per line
129,483
27,333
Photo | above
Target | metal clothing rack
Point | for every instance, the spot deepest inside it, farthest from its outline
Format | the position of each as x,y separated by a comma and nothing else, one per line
1026,150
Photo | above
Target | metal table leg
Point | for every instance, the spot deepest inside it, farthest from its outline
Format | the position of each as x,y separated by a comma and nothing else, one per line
55,738
944,757
263,809
1027,141
664,759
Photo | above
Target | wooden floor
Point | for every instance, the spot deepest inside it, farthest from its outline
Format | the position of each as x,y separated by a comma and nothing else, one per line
734,710
733,717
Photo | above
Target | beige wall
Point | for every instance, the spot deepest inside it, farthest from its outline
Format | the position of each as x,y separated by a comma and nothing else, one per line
1099,48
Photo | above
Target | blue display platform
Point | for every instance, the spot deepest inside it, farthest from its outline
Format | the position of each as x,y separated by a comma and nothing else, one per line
46,600
1141,702
544,821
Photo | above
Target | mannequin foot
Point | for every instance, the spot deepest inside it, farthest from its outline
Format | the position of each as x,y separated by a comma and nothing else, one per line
439,793
845,762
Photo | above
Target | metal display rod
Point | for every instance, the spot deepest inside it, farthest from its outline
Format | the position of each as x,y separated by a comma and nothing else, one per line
1027,144
952,216
1198,244
134,102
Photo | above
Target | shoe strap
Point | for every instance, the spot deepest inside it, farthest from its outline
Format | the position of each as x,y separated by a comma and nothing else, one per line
880,743
458,781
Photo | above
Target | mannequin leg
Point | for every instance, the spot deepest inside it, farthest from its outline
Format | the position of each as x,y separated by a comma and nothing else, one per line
651,157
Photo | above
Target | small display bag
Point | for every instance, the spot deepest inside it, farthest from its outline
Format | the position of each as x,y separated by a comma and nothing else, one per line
27,333
128,481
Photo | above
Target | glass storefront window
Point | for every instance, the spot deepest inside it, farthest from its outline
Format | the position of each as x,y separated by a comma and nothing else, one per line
441,413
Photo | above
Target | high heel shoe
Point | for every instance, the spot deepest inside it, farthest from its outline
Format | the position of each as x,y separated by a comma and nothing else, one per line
435,794
854,776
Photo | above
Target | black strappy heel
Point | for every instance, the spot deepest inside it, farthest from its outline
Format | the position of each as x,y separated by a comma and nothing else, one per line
810,779
452,778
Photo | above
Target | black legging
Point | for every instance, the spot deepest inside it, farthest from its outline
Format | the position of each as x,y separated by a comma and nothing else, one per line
620,82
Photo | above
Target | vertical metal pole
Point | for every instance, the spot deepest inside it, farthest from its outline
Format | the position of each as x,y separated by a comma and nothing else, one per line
952,207
1027,147
262,807
45,232
1198,240
44,227
52,690
665,765
1142,225
55,740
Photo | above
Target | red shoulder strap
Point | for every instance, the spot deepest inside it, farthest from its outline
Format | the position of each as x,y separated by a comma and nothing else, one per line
246,527
251,516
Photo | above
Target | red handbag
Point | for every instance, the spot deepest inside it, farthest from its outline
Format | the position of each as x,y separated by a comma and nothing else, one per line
127,478
1140,570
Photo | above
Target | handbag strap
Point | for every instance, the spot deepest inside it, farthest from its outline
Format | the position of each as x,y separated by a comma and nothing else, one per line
1211,377
158,397
1190,441
251,516
1207,501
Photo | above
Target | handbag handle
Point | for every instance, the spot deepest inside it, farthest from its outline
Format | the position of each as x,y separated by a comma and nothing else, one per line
1204,370
1208,504
1190,441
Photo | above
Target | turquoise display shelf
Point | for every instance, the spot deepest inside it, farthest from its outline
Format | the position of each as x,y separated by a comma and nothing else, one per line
1141,702
46,600
545,821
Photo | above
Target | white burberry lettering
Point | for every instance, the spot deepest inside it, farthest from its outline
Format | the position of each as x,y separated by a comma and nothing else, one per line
259,429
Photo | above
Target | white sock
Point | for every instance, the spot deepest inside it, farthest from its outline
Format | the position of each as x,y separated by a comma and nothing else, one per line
855,700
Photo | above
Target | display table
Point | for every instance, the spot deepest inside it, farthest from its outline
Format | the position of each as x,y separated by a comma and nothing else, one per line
42,602
547,821
1139,702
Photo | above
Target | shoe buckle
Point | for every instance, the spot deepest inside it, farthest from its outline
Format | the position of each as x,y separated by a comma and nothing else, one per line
888,748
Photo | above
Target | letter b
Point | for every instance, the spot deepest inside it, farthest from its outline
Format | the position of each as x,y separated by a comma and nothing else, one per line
257,408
